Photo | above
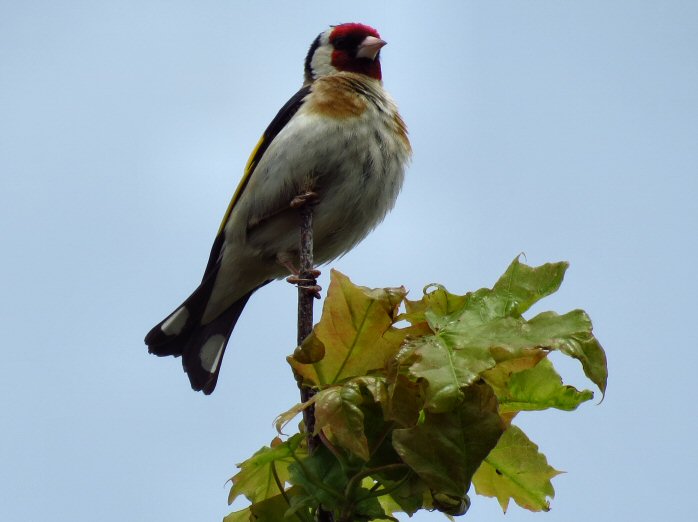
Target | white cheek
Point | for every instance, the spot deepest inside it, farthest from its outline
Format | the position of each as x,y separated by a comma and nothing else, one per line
321,63
173,324
211,352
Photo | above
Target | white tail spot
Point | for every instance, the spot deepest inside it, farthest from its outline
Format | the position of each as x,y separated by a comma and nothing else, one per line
211,352
173,324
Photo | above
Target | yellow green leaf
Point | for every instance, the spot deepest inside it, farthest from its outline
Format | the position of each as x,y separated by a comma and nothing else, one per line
338,409
284,418
354,336
238,516
521,285
539,388
256,478
515,469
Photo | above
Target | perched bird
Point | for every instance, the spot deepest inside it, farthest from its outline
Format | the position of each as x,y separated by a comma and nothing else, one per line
339,137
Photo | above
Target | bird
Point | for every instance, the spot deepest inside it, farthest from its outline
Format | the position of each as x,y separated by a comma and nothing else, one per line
341,139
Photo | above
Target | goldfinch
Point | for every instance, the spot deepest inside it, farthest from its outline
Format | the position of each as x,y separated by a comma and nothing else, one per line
341,137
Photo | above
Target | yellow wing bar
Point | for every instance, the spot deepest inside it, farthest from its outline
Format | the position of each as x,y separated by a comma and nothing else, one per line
276,126
249,168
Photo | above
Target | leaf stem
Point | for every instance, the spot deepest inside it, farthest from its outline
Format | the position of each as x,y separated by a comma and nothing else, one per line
388,428
312,479
278,483
283,491
356,479
374,492
333,449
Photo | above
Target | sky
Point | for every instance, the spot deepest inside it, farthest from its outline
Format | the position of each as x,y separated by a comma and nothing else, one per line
564,130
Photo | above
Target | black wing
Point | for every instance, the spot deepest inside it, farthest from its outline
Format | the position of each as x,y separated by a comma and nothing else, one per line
278,123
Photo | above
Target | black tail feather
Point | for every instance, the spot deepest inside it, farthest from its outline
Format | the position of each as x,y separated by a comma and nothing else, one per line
171,335
204,351
201,345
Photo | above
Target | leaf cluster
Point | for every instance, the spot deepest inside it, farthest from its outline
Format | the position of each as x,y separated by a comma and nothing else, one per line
414,407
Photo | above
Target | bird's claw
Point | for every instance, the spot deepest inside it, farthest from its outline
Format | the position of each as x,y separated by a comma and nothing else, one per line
307,284
301,200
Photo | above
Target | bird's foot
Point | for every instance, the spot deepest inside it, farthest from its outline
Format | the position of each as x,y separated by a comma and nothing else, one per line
307,282
288,265
307,198
286,261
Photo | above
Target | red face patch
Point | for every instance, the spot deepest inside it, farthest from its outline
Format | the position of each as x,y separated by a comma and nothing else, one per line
346,39
359,31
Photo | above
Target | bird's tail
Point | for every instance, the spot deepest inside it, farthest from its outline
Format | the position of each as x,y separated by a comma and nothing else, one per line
201,346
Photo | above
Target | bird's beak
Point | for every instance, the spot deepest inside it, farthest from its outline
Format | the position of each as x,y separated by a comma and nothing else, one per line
369,47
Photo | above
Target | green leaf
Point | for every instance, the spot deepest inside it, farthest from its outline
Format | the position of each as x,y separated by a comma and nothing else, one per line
339,409
539,388
510,337
481,330
521,285
443,370
391,506
284,418
586,349
256,479
447,448
451,505
515,292
406,495
374,384
238,516
431,505
412,414
367,507
515,469
302,505
321,476
292,505
404,401
271,509
508,365
354,336
571,334
435,307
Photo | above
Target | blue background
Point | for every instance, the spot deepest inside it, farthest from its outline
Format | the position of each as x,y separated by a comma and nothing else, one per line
567,130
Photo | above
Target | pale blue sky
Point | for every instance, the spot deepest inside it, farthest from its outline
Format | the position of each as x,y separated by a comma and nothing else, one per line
567,130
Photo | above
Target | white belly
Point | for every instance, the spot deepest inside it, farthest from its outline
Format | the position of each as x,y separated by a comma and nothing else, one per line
355,165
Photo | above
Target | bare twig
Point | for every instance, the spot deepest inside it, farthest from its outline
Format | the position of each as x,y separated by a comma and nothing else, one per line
308,291
306,281
306,274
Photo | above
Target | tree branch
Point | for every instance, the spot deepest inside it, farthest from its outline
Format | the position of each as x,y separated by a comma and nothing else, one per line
307,293
305,309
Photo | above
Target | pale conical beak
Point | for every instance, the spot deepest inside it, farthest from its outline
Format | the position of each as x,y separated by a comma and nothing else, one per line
369,47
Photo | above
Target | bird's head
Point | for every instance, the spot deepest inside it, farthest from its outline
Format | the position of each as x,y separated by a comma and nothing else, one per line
346,47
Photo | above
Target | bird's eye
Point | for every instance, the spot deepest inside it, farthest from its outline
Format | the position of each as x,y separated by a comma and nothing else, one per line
342,43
